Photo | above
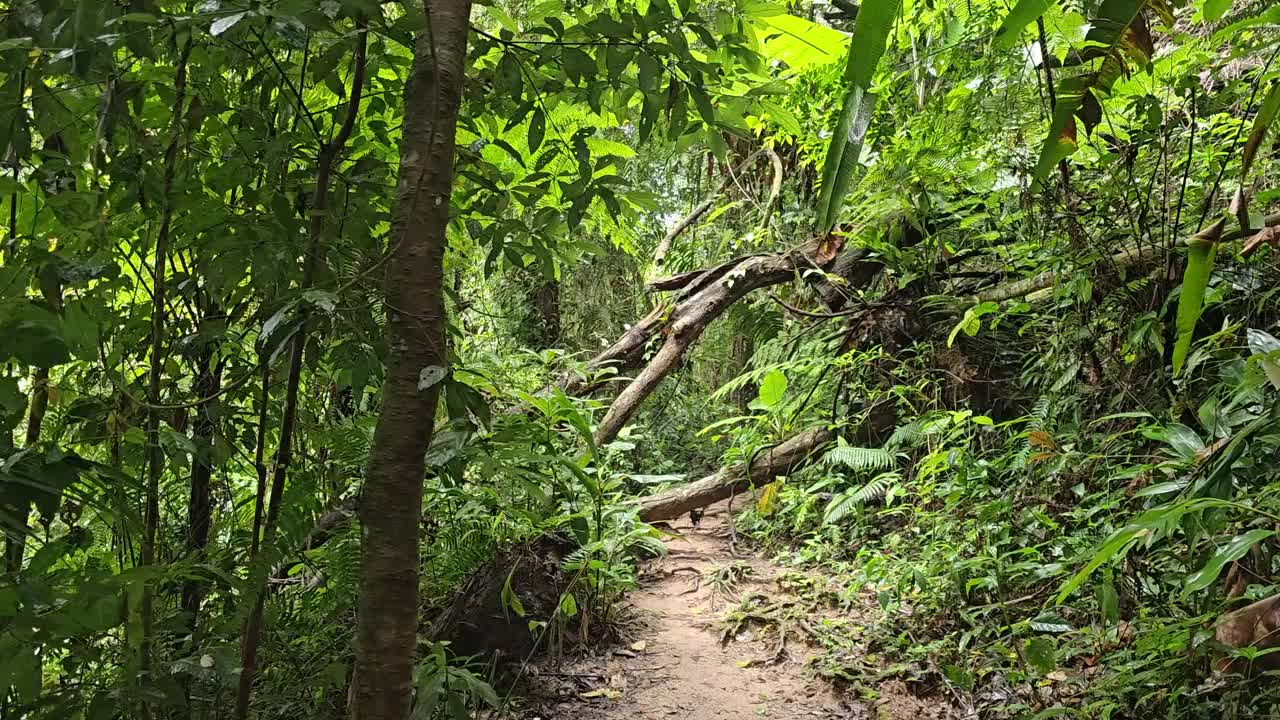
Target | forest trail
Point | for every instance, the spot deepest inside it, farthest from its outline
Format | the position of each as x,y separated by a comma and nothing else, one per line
673,663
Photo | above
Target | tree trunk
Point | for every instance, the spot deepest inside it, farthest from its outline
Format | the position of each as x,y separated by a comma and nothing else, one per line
15,545
548,302
207,385
391,505
692,316
154,453
325,160
794,454
744,347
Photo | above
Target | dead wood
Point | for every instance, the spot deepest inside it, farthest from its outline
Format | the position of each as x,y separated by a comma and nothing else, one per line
1257,626
691,316
689,220
789,456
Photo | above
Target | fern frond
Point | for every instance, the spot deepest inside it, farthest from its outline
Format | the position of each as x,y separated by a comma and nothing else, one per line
850,500
859,458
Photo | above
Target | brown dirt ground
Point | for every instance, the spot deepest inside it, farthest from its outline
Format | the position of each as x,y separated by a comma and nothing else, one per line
673,664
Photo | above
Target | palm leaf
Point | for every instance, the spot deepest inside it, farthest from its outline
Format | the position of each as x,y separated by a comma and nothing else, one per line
1022,15
875,19
1201,249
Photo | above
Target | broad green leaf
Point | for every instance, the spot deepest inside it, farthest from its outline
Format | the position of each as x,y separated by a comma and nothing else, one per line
875,20
1022,15
772,388
225,23
1184,441
1267,347
703,102
842,155
1061,142
801,43
1119,35
1201,250
1109,600
508,79
1267,113
568,605
1119,540
1042,654
1213,10
1163,488
782,117
1232,551
537,129
510,600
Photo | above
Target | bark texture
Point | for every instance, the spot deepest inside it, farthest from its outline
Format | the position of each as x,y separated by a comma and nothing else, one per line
391,506
1256,625
797,452
547,299
199,504
793,454
705,299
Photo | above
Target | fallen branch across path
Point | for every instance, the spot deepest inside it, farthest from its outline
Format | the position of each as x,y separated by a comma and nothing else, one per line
789,456
793,454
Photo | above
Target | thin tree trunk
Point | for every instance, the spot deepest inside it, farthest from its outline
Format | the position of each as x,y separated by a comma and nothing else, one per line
548,302
325,160
208,383
743,348
391,505
155,457
664,246
15,545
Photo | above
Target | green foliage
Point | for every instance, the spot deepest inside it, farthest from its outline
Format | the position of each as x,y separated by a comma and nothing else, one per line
1022,15
1201,251
1024,505
875,19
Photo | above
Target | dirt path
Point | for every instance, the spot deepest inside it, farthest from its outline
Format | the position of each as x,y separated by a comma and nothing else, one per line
674,665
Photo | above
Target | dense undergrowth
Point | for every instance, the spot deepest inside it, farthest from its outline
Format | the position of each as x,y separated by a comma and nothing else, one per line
1075,547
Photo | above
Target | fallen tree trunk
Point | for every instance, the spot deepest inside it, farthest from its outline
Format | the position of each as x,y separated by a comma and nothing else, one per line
794,454
690,317
626,353
1256,626
851,265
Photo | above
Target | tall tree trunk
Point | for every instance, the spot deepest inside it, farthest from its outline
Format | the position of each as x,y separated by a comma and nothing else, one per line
391,505
16,544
